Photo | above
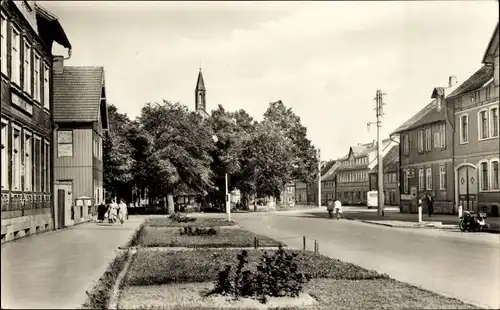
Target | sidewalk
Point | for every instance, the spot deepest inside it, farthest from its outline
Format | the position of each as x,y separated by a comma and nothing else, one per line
396,219
54,269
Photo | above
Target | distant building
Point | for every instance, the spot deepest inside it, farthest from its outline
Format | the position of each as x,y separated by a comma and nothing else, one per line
352,174
300,193
312,188
81,113
287,196
200,101
476,139
27,35
329,183
391,177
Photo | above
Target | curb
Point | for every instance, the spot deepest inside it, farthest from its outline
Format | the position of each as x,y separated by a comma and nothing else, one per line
416,225
113,299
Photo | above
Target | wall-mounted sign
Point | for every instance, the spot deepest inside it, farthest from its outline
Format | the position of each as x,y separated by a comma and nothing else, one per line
65,137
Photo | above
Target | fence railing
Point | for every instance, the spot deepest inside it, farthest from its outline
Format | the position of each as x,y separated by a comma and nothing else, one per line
304,244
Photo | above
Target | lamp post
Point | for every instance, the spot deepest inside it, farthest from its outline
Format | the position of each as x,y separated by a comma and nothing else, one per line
227,196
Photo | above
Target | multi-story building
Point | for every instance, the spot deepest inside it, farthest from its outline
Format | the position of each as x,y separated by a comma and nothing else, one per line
287,197
300,193
426,154
476,139
328,183
391,177
27,35
81,115
312,187
352,175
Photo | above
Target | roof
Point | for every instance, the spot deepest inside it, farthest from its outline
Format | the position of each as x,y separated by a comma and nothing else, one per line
55,29
328,165
477,80
329,174
488,57
390,160
77,94
200,84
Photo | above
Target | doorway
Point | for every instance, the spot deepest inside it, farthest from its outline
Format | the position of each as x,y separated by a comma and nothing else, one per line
467,187
64,191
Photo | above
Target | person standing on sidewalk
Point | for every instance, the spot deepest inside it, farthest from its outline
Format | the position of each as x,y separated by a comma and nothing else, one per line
430,205
122,213
338,208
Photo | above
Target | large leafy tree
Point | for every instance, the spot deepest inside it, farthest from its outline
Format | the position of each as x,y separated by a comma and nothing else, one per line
305,159
117,155
177,151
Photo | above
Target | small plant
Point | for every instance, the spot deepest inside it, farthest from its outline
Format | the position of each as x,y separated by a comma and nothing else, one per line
189,231
277,276
181,218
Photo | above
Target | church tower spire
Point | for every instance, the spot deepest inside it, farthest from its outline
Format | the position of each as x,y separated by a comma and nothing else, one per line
200,93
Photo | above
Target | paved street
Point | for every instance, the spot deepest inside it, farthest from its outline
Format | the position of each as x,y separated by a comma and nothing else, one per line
53,270
461,265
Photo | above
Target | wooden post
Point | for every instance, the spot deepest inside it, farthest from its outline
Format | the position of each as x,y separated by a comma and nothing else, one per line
304,242
316,246
255,244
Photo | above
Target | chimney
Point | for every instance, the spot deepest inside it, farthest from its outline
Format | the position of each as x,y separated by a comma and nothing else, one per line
452,80
58,64
439,103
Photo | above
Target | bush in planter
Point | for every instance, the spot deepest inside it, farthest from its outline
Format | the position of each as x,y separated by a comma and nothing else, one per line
189,231
277,276
181,218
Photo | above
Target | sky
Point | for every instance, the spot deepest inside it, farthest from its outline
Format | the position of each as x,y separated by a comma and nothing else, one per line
325,60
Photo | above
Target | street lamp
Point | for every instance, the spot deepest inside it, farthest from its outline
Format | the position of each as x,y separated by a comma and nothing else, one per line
228,201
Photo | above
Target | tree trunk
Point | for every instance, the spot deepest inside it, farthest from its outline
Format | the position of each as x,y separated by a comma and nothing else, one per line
171,207
255,202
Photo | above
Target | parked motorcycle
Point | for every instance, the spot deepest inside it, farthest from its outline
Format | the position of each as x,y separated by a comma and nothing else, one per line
330,213
472,221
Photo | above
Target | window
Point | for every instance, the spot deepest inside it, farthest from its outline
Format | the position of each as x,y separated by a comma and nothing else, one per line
16,158
483,171
483,124
406,144
464,129
65,143
440,137
475,96
428,140
405,181
428,181
494,174
442,177
420,140
28,161
47,167
421,179
15,56
5,154
37,164
46,86
27,67
289,189
488,92
36,77
494,122
3,44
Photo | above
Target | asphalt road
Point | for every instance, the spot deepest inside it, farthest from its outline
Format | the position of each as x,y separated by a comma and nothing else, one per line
461,265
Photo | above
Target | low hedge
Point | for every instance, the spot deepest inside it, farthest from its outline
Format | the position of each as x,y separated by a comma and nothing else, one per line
199,222
98,297
200,265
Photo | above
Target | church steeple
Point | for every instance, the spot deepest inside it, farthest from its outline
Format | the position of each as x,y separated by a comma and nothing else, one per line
200,92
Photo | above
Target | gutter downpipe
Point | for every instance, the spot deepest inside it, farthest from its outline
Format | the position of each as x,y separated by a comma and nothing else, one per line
399,167
452,126
54,128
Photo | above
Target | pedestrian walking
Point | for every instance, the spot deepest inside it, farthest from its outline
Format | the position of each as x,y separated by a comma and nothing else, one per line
122,211
329,208
338,208
430,205
113,211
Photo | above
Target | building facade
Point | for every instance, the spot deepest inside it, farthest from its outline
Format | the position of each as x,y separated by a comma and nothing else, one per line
391,177
312,187
300,193
426,154
328,183
27,35
352,174
81,115
477,146
287,196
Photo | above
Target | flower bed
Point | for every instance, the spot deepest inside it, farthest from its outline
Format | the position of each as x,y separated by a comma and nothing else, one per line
234,237
201,265
179,280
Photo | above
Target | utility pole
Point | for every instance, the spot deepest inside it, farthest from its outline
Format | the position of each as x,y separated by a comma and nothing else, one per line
319,178
380,160
228,201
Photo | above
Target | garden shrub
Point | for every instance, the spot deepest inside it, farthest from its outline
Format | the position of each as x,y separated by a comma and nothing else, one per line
189,231
277,275
181,218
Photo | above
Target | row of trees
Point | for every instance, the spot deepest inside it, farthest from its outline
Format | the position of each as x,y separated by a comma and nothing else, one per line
169,150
